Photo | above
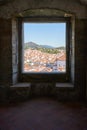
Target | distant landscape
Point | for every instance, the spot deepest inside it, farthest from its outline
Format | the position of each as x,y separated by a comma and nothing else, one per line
43,48
44,58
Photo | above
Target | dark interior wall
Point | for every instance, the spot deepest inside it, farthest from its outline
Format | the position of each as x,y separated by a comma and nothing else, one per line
5,58
86,60
5,52
17,6
86,78
80,57
6,70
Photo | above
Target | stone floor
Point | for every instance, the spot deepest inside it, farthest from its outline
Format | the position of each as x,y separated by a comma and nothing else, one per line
43,114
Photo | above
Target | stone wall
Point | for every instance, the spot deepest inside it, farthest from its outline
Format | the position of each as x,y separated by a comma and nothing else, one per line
14,51
5,58
5,52
8,45
80,57
18,6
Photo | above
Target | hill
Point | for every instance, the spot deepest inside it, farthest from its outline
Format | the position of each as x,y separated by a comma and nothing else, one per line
31,45
35,45
61,48
44,48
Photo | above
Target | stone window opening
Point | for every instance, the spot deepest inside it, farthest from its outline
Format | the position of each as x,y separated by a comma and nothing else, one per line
26,77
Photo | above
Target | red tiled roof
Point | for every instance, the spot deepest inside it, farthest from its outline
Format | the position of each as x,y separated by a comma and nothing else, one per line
62,57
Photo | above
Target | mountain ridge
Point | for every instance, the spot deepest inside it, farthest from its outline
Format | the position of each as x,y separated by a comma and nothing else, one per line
35,45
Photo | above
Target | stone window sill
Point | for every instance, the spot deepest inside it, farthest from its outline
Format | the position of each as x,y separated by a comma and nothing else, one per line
64,85
21,85
57,85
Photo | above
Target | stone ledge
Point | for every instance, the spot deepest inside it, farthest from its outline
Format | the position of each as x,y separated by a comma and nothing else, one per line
21,85
64,85
57,85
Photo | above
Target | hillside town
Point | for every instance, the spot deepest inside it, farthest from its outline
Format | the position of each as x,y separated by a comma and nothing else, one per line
38,61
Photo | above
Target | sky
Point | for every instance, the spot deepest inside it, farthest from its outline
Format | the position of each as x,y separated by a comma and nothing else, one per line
52,34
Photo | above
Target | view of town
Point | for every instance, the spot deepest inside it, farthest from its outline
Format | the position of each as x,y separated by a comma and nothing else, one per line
44,59
44,47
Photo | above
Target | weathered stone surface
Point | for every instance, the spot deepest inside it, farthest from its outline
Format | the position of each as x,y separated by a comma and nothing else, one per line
42,89
18,6
5,52
9,53
14,51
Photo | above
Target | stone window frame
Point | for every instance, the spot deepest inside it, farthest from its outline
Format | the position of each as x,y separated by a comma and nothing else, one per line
61,77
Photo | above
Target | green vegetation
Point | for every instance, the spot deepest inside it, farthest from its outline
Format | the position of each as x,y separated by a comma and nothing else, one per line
26,47
61,48
46,49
